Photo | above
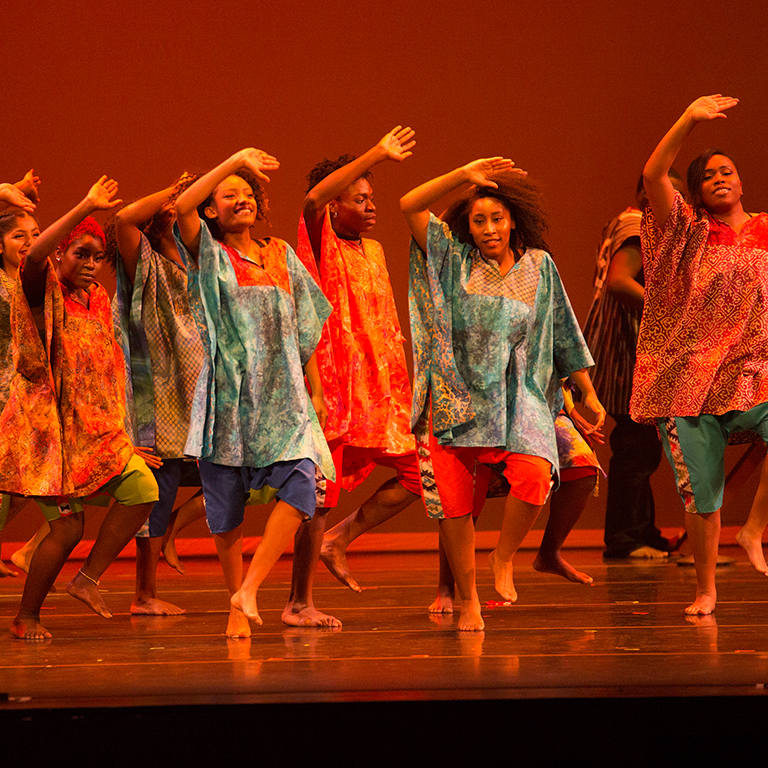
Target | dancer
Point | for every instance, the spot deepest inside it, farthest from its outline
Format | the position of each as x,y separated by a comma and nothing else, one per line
493,333
253,425
18,230
164,355
701,370
579,469
362,366
62,431
611,333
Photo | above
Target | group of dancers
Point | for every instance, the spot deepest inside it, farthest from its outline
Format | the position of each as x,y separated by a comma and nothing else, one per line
255,373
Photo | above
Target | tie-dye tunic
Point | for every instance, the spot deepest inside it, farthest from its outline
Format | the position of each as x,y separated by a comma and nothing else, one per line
62,430
492,349
259,326
162,348
361,356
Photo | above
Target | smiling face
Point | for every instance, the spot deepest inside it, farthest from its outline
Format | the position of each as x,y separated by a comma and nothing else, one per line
353,212
79,264
491,225
232,205
721,186
16,242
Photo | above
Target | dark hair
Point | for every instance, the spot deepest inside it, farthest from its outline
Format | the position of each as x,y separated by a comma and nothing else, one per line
326,167
262,205
640,188
9,220
696,174
523,201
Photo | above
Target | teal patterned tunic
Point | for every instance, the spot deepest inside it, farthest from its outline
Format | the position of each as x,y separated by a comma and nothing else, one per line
259,325
492,349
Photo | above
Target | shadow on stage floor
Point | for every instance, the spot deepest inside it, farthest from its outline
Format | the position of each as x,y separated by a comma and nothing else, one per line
614,673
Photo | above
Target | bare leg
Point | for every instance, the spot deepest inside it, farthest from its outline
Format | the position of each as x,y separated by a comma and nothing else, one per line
188,513
446,586
15,505
119,527
390,499
704,535
281,527
519,516
458,537
565,508
300,610
146,601
47,562
229,547
22,557
750,537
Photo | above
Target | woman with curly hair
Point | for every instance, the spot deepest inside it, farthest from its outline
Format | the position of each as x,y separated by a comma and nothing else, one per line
702,356
253,424
494,333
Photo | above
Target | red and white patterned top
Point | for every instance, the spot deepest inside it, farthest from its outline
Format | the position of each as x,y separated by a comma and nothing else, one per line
703,344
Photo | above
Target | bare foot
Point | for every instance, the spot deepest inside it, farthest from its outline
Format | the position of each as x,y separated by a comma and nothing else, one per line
307,616
87,592
238,625
334,558
648,553
20,560
172,556
753,546
555,563
246,602
704,604
443,603
152,606
503,573
470,619
6,571
29,629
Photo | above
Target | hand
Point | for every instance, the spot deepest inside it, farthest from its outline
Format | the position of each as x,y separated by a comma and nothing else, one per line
318,403
101,194
710,107
396,145
29,184
10,194
483,172
152,461
258,161
594,405
593,435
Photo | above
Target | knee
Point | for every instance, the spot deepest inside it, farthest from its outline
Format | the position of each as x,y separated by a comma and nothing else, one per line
68,530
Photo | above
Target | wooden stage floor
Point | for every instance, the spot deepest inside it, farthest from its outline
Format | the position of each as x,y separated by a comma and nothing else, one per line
620,649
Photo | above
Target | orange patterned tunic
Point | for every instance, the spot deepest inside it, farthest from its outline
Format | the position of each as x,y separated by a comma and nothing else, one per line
62,431
361,356
703,343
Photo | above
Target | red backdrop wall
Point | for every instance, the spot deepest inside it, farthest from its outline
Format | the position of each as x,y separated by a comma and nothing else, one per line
577,94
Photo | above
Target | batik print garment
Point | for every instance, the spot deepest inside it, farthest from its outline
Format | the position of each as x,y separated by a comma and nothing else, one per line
492,349
611,328
361,356
162,349
259,325
703,345
62,431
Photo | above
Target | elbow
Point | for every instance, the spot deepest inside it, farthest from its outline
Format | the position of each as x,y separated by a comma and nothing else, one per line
312,206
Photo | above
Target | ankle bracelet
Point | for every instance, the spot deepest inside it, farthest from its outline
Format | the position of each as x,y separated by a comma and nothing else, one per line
95,581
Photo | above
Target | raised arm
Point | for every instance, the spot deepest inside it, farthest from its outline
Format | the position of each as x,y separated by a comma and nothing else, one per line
395,145
187,202
415,204
658,187
127,221
100,197
29,185
12,196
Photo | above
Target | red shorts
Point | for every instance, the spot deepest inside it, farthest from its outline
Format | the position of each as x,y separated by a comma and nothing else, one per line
345,456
